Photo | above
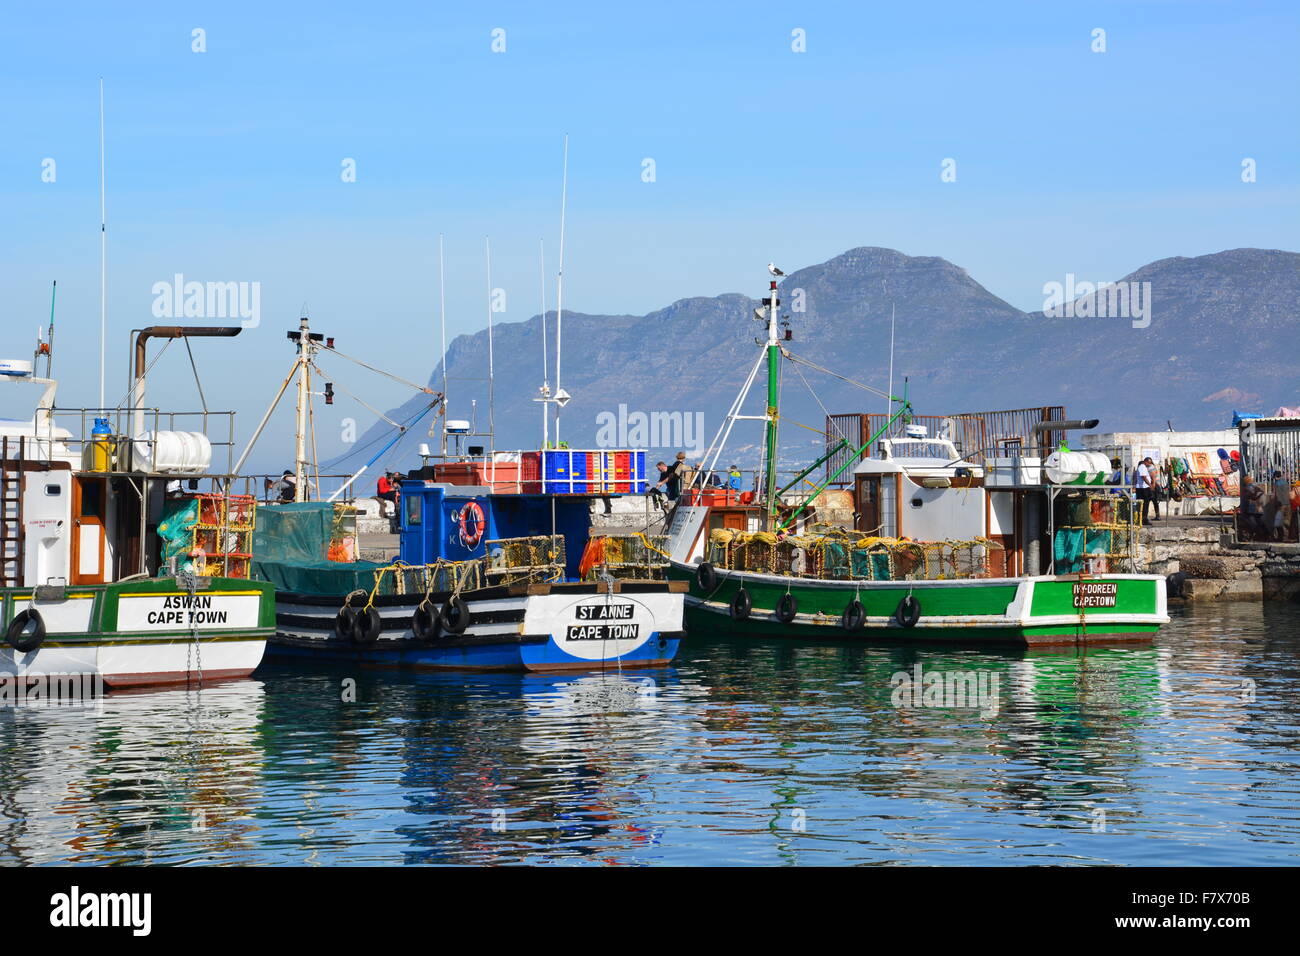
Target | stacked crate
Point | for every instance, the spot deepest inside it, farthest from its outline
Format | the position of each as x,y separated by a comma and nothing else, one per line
564,471
223,535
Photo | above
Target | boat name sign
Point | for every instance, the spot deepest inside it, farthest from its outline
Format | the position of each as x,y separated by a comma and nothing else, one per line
165,612
1094,593
604,622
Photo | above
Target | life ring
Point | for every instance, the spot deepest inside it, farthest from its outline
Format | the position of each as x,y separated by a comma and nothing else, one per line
908,612
454,616
472,523
425,623
853,617
787,608
369,625
706,576
741,605
19,624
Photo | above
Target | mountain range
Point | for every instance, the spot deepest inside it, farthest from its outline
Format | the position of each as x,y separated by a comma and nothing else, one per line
1219,333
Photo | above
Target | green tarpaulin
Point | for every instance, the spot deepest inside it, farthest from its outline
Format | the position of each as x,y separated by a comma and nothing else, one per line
291,550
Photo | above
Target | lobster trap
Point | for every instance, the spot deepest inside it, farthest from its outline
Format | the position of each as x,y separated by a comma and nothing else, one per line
535,559
844,556
624,556
443,577
221,537
1100,534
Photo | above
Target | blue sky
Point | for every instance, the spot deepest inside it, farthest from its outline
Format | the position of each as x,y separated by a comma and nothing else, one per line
225,165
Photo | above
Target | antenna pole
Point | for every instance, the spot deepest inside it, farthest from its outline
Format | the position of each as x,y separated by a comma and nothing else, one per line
889,403
492,444
546,386
559,286
442,313
304,386
103,251
49,343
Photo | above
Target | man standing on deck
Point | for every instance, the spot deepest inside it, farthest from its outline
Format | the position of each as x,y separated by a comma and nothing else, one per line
670,478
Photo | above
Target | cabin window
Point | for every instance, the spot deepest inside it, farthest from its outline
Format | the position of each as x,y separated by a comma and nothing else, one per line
413,503
53,491
92,499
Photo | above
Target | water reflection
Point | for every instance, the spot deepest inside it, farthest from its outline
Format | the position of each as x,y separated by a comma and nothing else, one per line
766,752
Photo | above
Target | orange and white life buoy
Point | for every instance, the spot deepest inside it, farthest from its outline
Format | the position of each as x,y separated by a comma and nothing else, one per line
472,525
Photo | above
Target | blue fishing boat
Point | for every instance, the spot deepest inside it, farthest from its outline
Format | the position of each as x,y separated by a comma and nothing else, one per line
484,581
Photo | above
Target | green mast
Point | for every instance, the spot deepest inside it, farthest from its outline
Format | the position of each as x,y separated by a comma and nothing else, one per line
773,401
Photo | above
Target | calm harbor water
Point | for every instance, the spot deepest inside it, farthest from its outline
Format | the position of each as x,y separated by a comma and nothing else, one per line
758,753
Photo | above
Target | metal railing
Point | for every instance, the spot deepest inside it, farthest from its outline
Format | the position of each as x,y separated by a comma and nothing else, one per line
973,433
217,427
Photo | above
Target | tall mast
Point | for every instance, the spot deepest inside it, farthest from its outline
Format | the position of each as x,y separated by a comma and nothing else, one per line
442,314
103,252
773,400
559,292
492,430
300,446
545,391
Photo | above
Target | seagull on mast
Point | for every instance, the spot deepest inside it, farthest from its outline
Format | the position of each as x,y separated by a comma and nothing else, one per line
771,267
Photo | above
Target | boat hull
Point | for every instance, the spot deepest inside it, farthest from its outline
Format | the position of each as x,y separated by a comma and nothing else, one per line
141,633
539,627
1031,611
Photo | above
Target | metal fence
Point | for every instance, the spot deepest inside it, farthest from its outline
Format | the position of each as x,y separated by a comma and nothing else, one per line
1269,445
973,433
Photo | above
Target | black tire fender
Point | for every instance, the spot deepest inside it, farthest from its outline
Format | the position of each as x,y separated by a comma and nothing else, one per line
454,616
425,622
908,611
741,605
787,607
345,623
706,576
17,627
369,625
854,617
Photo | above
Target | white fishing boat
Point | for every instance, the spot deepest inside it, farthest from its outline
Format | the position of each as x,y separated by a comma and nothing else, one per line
102,572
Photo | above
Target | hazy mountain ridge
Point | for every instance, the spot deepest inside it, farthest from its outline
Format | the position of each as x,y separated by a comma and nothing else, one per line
1221,330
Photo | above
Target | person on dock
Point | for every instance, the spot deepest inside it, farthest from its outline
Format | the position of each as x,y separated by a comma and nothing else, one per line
386,493
1281,507
734,477
1142,487
670,477
1251,527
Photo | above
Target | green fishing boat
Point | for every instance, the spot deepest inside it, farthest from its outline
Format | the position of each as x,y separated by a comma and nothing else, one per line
1014,550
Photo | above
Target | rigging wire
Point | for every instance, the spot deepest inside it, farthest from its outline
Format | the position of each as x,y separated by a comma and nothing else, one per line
396,378
356,398
374,441
829,417
130,392
194,365
843,378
